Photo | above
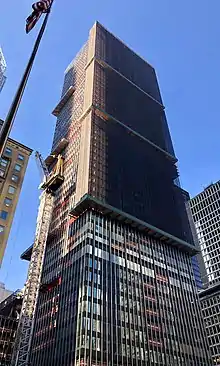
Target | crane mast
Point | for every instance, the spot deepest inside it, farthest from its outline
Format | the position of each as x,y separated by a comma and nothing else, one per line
26,321
51,183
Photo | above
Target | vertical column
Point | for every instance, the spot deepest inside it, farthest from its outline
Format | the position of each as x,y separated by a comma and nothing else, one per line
82,184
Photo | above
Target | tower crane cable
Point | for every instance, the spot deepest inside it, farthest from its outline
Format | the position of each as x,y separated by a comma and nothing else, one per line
44,173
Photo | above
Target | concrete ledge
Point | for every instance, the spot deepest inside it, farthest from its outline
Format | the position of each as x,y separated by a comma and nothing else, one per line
89,202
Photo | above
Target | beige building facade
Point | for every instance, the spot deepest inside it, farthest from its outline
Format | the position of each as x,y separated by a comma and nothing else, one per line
12,170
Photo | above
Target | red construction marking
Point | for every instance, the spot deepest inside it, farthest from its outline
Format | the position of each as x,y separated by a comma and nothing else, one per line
68,161
65,202
101,114
151,312
57,208
75,124
148,285
50,286
118,248
150,298
61,204
153,327
74,134
161,278
132,244
83,363
70,221
155,343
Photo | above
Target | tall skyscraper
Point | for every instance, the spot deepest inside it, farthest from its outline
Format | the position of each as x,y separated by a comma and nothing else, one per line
205,208
12,171
2,69
117,284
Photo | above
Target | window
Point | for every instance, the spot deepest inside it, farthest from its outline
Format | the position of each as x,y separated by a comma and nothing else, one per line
11,189
2,228
8,151
7,201
89,290
3,215
20,157
4,162
18,167
14,178
2,173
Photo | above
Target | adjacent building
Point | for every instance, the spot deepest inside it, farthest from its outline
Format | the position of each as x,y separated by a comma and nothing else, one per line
117,283
12,170
9,316
2,69
4,293
205,208
210,302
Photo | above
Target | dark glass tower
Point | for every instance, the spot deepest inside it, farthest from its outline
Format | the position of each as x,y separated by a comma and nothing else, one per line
118,285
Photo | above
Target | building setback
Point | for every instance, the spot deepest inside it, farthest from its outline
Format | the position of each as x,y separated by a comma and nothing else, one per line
117,285
12,170
205,208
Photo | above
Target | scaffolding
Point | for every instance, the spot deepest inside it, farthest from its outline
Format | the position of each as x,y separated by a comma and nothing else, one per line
26,322
2,69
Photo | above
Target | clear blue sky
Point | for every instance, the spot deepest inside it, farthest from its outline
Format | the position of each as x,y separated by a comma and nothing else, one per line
180,38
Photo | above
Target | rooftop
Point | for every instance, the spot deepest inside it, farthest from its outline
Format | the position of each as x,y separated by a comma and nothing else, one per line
211,185
209,291
135,53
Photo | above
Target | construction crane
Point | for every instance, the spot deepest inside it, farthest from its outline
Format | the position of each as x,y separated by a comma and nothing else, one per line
43,169
51,182
26,321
